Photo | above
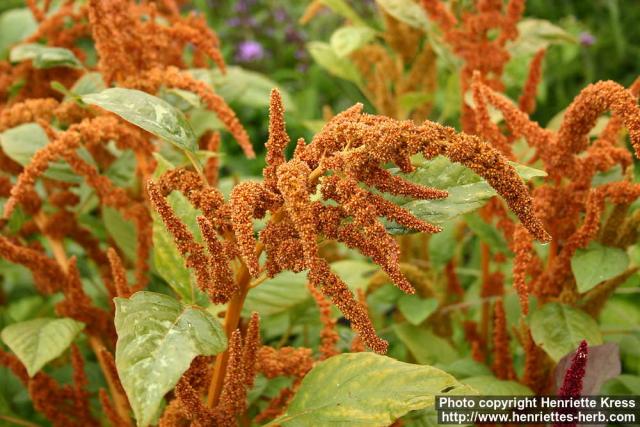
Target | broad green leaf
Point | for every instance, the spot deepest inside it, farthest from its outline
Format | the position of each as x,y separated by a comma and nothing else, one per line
467,191
346,40
122,230
408,11
487,233
466,368
279,294
488,385
148,112
624,384
88,83
559,329
248,87
341,67
44,56
424,345
442,246
15,25
365,389
535,34
158,337
412,100
37,342
342,8
597,263
416,309
21,143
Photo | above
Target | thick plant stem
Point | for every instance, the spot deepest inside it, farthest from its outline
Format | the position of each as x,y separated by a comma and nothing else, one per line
231,320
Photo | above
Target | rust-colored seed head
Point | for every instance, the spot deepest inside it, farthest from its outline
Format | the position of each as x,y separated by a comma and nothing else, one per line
278,140
502,363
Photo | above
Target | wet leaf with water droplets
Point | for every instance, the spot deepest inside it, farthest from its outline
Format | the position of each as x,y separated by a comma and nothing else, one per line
148,112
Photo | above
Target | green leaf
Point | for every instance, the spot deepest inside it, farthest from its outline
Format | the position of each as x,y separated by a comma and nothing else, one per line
158,337
408,11
328,59
37,342
559,329
625,384
21,143
248,88
342,8
279,294
416,309
535,34
15,25
122,231
424,345
597,263
44,56
365,389
467,191
488,385
148,112
412,100
88,83
346,40
487,233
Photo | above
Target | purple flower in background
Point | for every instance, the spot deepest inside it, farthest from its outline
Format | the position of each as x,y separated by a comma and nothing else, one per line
249,50
586,38
280,14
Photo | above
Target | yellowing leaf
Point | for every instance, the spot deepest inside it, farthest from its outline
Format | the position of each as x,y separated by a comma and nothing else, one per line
365,389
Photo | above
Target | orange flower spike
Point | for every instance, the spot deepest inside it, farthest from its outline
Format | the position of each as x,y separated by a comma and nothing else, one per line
224,285
193,252
527,101
285,361
502,363
277,142
357,345
119,274
46,272
234,393
522,247
212,166
27,111
292,183
328,335
485,126
385,181
591,102
341,297
492,166
249,200
250,350
80,383
109,410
